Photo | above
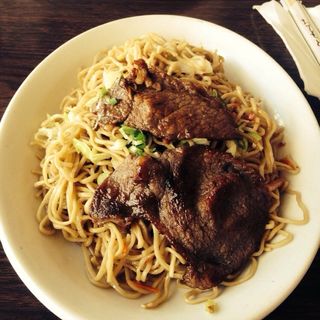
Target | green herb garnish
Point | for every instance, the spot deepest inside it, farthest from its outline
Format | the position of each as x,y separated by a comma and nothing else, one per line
112,101
243,144
136,150
136,139
102,92
255,135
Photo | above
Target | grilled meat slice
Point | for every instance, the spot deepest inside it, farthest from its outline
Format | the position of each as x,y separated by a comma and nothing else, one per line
211,207
217,209
132,190
167,107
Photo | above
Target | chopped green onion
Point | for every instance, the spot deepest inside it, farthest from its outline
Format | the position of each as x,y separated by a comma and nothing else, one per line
112,101
139,136
136,139
135,150
102,92
138,144
243,144
127,131
254,135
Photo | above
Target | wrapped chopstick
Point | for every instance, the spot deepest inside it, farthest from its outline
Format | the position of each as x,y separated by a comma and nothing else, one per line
307,27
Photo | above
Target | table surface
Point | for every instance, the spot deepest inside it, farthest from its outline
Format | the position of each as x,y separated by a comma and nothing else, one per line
30,30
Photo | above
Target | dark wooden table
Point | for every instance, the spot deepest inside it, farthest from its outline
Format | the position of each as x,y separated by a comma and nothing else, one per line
32,29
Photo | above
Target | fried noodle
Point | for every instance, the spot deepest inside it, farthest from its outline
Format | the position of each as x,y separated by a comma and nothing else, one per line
141,261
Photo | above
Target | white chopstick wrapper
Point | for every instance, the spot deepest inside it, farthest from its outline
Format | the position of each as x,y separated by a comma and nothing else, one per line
282,22
305,24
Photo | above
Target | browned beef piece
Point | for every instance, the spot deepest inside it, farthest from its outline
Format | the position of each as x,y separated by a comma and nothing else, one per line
167,107
212,208
132,190
217,209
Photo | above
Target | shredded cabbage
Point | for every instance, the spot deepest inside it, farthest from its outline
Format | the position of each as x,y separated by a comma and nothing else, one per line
110,77
232,147
203,141
103,176
82,148
194,65
255,135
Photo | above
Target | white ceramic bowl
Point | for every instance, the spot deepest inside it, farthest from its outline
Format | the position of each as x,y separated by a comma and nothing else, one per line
54,269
